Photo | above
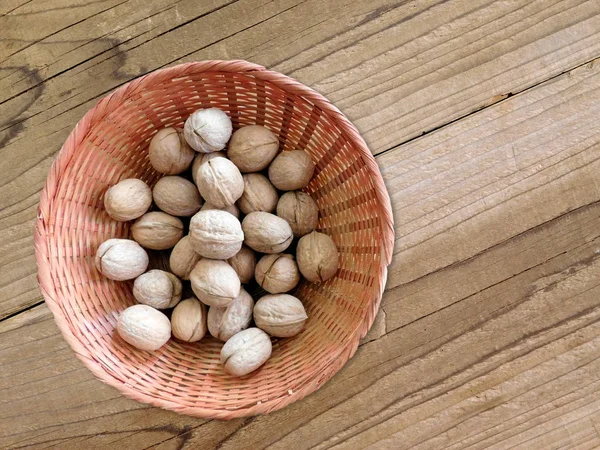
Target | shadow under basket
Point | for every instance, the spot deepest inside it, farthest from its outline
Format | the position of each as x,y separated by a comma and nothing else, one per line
110,143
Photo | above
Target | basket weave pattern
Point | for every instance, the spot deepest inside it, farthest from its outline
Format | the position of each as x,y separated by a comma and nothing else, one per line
110,143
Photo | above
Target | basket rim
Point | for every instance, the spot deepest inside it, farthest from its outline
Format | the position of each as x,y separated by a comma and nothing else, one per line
69,149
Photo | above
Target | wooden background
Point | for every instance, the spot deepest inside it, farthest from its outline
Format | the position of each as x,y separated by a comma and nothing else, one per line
484,117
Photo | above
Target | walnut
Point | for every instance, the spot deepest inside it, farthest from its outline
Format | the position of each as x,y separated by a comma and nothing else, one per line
246,351
208,130
157,230
215,282
169,152
223,323
266,233
157,288
216,234
128,199
259,194
177,196
121,259
277,273
183,258
317,256
220,182
144,327
188,320
300,211
244,262
201,158
252,148
291,170
280,315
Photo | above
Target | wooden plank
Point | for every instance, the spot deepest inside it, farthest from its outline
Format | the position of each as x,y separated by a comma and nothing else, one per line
16,18
464,353
493,340
415,67
517,355
487,178
512,48
39,370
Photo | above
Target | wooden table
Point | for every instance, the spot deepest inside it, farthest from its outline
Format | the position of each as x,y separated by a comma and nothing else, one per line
484,117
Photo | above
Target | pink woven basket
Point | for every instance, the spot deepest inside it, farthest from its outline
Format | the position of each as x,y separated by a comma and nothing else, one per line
110,143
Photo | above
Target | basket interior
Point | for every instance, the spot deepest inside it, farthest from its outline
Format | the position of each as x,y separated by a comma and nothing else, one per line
182,375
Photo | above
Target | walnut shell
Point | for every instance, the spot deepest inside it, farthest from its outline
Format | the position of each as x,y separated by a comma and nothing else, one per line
208,130
157,230
144,327
216,234
231,209
300,211
246,351
128,199
266,233
169,153
317,256
215,282
252,148
183,258
259,194
177,196
291,170
280,315
244,262
220,182
157,288
277,273
201,158
188,320
223,323
121,259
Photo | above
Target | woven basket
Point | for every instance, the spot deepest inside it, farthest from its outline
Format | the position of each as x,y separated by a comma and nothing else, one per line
110,143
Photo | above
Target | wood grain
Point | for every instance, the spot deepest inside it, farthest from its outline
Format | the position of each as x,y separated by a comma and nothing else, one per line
398,69
494,175
508,362
488,335
489,332
386,42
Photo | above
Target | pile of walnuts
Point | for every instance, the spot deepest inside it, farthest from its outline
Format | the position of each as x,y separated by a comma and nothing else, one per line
220,254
